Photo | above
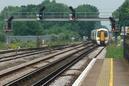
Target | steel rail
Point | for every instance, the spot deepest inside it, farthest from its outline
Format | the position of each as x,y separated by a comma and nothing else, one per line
28,76
37,61
30,53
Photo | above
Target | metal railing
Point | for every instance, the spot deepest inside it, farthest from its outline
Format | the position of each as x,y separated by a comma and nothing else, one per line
57,15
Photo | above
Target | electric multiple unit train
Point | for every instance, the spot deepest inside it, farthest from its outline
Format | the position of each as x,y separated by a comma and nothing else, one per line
100,36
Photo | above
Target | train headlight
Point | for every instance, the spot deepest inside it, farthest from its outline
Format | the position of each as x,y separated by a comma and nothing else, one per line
98,38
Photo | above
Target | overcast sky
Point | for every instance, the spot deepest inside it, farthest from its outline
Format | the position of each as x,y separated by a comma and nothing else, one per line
102,5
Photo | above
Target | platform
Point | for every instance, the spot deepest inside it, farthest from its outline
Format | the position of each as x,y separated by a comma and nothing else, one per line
108,72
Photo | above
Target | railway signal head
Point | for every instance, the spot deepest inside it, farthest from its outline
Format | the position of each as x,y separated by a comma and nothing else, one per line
9,24
112,19
10,19
113,30
72,15
113,23
40,13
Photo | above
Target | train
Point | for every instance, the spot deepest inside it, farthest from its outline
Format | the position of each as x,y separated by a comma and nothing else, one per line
100,36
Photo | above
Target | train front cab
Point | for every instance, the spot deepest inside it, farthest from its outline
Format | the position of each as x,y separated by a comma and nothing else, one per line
102,37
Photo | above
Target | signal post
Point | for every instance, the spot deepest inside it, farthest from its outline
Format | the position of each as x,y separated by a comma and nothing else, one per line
8,29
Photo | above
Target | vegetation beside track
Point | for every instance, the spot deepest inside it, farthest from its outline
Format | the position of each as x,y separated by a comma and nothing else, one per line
33,44
114,51
2,45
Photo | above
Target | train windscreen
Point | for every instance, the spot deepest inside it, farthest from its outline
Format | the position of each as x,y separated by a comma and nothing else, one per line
99,33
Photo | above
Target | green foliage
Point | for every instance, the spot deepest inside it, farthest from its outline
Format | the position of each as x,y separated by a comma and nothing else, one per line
17,43
86,27
87,8
27,28
2,45
123,14
114,51
64,30
2,37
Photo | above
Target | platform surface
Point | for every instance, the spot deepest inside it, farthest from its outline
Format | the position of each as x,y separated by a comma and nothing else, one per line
108,72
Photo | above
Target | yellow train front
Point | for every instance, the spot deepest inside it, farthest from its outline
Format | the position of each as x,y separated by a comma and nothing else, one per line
100,36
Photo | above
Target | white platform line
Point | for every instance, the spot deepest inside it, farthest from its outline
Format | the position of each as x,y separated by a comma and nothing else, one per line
84,73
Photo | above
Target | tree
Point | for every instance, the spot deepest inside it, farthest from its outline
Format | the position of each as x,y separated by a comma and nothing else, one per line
123,14
65,29
53,1
86,27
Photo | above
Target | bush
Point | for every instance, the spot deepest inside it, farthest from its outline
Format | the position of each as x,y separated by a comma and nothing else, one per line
22,44
2,37
2,45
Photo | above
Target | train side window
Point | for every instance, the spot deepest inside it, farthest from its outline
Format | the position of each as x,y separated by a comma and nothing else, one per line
99,33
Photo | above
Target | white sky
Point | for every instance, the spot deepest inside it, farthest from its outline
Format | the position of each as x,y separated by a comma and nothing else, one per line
102,5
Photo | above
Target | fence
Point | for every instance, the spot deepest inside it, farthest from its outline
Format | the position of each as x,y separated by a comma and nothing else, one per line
57,14
28,38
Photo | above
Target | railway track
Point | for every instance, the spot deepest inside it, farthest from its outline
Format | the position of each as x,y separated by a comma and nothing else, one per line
69,76
27,49
15,50
30,52
32,65
47,79
55,73
46,69
18,60
21,55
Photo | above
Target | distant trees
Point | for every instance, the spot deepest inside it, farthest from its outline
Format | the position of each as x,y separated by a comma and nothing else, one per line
2,37
64,29
86,27
123,13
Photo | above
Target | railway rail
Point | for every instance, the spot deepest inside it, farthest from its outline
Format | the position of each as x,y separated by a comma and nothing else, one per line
47,69
75,58
14,61
30,49
48,79
21,55
15,70
30,52
18,60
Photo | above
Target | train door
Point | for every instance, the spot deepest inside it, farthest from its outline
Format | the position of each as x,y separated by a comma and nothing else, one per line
102,36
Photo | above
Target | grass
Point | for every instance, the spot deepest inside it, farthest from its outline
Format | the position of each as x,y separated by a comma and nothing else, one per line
15,45
114,51
31,44
2,45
